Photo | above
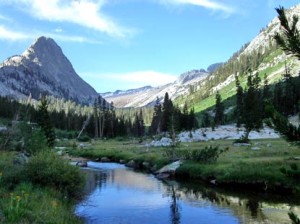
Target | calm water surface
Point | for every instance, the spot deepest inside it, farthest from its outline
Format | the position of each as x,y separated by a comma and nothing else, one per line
116,194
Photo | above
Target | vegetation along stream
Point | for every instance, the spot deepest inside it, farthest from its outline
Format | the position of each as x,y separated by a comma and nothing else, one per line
116,194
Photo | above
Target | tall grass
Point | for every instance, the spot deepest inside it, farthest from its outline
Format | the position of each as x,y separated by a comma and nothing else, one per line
41,191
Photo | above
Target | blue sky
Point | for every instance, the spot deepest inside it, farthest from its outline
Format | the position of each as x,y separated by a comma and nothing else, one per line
122,44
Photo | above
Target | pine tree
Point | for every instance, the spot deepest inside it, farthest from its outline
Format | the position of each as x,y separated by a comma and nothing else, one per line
239,102
219,118
185,118
192,121
138,124
96,117
290,40
156,119
167,112
206,120
253,106
266,89
44,121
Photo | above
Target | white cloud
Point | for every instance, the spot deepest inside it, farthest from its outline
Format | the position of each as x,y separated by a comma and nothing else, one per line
12,35
58,30
6,34
209,4
70,38
4,18
86,13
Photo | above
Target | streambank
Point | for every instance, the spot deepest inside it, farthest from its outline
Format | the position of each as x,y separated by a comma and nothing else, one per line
267,165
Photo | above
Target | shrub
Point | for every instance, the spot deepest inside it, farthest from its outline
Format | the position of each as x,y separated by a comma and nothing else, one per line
208,154
243,139
84,138
47,169
60,134
293,172
11,174
36,142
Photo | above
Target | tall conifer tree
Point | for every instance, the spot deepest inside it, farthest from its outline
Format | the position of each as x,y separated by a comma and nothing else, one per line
44,121
219,118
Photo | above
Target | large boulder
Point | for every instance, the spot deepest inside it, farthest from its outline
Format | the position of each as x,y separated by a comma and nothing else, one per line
168,170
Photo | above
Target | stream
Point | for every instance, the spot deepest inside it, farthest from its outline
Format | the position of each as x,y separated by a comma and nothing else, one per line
116,194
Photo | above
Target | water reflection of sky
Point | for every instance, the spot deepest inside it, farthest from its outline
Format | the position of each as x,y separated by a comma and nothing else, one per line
120,195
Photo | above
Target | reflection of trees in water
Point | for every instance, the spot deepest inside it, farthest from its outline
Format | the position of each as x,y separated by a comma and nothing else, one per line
94,180
253,206
175,213
241,206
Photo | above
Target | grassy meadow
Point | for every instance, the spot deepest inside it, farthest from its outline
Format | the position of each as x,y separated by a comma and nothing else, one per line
268,164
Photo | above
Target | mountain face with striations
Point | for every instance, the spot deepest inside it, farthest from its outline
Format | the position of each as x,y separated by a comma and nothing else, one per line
43,69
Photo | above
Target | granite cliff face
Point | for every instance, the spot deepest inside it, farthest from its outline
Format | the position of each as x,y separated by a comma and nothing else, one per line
43,69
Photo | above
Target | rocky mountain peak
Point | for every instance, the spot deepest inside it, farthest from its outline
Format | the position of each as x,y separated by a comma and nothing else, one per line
43,68
45,52
42,48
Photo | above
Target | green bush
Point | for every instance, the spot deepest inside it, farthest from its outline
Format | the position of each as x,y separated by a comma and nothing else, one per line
84,138
47,169
243,139
63,134
11,174
293,172
208,154
36,142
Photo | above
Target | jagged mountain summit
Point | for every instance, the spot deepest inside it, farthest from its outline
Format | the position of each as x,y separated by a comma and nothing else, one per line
146,96
43,69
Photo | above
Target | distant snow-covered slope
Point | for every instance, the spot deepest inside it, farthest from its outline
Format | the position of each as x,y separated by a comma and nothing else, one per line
146,96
